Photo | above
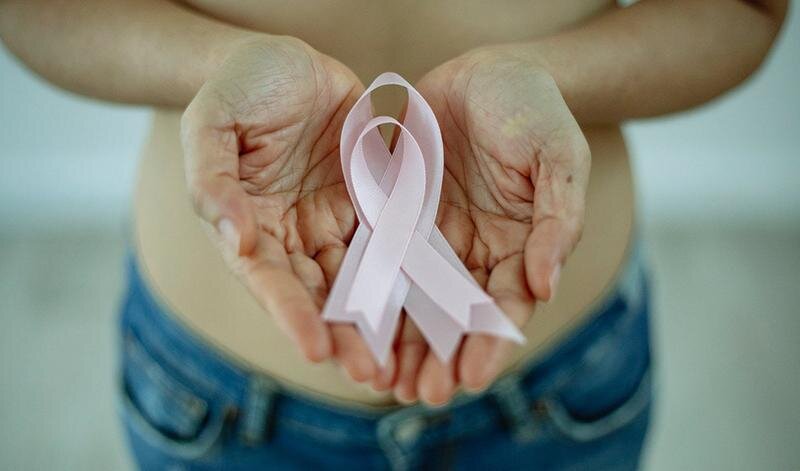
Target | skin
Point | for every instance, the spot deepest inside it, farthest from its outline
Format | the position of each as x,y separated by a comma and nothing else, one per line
516,171
261,140
264,113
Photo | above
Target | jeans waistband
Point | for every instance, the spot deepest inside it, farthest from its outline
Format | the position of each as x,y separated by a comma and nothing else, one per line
262,404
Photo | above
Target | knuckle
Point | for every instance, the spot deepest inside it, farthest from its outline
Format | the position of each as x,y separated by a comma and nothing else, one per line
575,225
200,200
579,145
576,151
568,145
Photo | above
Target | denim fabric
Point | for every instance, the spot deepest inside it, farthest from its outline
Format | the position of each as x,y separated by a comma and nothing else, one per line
584,405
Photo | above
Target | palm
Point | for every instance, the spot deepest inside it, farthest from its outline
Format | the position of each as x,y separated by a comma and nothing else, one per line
262,143
291,173
487,192
512,198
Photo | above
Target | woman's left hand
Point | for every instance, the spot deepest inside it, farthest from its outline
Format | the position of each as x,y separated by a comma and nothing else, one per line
516,171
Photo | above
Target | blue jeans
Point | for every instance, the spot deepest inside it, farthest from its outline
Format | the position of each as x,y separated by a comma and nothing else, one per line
584,405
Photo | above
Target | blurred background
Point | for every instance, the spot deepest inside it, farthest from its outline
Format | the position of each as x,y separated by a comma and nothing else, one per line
720,213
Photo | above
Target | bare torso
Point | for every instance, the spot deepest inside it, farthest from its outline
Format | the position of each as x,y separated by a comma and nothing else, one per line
370,37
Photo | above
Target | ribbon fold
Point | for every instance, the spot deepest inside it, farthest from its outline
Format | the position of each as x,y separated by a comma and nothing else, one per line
398,258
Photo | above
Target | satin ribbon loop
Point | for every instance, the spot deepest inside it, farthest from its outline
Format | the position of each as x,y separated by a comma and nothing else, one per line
393,220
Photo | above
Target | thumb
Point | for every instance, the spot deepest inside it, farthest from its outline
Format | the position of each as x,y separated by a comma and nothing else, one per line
211,162
558,214
223,203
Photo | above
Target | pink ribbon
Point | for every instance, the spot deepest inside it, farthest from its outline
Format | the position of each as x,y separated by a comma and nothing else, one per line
398,257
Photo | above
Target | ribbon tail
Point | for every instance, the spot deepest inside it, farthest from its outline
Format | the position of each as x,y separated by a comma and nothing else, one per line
379,339
454,293
442,333
397,256
487,318
384,166
444,287
440,245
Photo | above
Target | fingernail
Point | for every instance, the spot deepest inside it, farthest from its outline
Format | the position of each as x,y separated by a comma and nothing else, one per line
473,391
554,281
229,234
405,400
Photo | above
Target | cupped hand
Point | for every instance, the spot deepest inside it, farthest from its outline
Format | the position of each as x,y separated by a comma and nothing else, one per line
516,171
261,143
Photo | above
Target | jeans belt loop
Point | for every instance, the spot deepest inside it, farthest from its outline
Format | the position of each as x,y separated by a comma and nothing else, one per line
398,433
258,410
514,407
632,279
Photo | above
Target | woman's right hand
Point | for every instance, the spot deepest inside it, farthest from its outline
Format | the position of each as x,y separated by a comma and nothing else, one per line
261,144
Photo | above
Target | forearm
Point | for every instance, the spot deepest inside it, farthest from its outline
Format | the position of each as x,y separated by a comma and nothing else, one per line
657,56
145,52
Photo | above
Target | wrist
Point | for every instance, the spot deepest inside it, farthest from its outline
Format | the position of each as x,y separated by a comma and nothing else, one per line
540,58
232,46
503,62
519,56
227,45
253,44
204,60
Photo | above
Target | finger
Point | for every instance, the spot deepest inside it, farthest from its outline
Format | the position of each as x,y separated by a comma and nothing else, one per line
269,277
411,350
558,212
349,348
352,353
437,381
211,160
483,357
385,378
310,274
